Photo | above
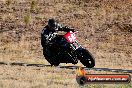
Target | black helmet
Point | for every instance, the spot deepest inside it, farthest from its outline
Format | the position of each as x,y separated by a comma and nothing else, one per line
52,23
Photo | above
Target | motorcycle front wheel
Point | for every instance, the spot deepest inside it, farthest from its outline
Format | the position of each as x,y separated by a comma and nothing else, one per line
86,58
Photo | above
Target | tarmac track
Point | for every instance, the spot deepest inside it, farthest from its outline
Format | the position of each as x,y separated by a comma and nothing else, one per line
67,67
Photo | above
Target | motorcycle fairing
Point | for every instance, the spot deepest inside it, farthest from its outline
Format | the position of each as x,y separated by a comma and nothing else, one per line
70,37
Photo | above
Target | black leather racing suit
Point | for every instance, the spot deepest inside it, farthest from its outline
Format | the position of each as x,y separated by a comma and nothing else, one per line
47,35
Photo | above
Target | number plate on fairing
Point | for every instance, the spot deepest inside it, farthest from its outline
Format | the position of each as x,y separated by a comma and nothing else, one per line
70,37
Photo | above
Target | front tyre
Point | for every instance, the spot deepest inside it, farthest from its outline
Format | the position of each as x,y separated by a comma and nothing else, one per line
86,58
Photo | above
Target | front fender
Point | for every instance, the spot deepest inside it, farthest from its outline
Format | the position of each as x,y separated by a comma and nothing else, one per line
81,51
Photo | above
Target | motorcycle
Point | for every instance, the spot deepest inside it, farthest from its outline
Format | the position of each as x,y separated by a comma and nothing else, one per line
66,49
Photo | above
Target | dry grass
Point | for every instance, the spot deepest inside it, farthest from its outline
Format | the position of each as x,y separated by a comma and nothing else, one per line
51,77
104,29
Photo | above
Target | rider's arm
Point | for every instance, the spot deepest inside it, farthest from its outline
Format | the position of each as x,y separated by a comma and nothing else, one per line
65,28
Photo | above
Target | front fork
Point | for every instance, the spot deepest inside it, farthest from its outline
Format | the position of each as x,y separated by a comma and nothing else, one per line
79,53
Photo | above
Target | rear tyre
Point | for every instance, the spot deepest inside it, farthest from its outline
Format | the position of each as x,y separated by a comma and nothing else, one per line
87,59
52,61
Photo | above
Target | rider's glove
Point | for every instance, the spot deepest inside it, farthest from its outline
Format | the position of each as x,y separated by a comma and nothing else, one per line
69,29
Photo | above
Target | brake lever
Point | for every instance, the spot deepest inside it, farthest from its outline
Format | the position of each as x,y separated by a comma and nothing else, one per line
76,32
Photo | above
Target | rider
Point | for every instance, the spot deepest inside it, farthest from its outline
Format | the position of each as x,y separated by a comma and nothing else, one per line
50,30
48,34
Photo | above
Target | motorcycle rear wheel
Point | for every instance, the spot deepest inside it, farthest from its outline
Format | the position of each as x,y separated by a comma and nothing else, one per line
52,61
